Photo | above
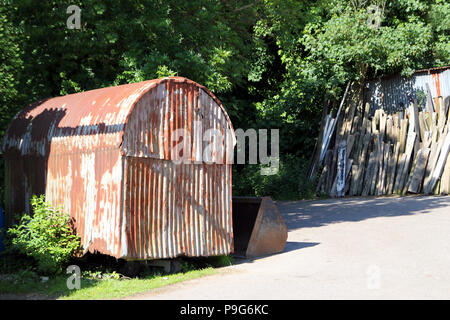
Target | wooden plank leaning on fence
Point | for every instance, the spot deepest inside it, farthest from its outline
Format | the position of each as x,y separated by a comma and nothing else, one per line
404,165
368,176
393,168
439,167
434,157
363,159
445,185
390,153
419,170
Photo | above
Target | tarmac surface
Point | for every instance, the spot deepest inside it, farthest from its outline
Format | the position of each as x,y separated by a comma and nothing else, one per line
352,248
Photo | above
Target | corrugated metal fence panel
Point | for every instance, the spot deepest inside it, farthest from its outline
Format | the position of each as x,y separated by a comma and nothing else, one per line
393,94
173,210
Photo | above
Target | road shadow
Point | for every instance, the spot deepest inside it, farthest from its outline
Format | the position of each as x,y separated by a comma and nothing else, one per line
294,245
290,246
317,213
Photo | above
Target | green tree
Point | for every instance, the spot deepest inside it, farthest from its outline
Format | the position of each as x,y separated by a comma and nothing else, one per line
11,66
332,42
273,63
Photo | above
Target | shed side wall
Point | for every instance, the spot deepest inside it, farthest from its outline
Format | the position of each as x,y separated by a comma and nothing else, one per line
88,186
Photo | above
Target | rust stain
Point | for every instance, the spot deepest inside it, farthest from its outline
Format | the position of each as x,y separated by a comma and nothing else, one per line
437,84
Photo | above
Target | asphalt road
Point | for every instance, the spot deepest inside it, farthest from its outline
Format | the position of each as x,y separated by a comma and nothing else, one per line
356,248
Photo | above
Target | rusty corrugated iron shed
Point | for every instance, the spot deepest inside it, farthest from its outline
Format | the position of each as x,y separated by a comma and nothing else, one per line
106,156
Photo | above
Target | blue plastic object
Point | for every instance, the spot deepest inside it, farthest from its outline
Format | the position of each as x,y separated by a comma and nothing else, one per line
2,224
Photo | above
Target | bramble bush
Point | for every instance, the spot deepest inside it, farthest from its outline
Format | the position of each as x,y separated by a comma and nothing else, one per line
46,236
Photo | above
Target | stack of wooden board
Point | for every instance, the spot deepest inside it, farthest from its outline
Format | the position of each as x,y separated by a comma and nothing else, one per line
406,152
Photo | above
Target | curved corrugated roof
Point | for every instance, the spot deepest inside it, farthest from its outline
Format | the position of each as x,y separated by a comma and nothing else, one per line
96,112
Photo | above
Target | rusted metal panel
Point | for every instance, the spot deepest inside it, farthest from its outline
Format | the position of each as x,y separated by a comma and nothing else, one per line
150,131
88,185
106,157
188,209
258,227
175,209
394,93
77,122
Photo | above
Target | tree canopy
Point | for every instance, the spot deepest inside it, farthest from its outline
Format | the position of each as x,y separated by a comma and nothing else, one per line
271,62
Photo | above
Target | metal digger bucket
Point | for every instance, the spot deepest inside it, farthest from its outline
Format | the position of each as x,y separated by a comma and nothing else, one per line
258,227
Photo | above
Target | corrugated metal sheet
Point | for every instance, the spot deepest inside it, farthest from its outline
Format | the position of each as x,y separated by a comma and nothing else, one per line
393,94
177,209
105,157
150,130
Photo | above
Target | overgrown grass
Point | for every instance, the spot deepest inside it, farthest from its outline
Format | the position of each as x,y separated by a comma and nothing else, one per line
25,285
101,278
113,288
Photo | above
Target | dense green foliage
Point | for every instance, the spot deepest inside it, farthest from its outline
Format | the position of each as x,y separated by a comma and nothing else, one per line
273,63
46,236
289,183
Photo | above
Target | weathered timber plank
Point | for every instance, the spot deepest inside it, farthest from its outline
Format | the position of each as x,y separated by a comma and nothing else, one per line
389,129
445,179
412,138
400,167
376,165
379,187
393,168
369,174
439,165
382,189
414,112
350,145
354,180
419,170
434,156
382,124
363,159
403,132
